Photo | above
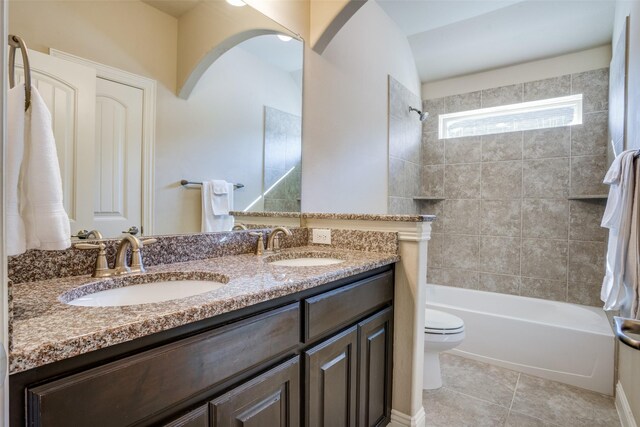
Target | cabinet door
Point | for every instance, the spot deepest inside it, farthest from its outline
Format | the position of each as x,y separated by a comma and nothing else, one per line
375,366
331,381
199,417
270,400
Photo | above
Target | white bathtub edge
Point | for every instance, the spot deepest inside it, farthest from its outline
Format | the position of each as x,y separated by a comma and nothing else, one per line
624,410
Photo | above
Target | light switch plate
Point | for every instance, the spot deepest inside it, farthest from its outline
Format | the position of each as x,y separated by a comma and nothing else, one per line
321,236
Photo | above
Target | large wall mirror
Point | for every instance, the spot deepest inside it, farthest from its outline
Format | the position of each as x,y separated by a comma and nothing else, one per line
147,94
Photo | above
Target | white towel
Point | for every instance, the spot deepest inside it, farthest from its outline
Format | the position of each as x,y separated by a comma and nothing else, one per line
617,218
16,239
46,222
212,217
221,196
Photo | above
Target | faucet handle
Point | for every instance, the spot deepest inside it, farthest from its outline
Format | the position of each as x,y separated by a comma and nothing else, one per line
260,246
146,242
102,265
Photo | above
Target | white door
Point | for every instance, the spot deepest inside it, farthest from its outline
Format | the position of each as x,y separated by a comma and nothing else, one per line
118,159
69,90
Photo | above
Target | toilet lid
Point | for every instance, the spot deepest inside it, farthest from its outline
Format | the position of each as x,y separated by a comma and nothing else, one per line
440,321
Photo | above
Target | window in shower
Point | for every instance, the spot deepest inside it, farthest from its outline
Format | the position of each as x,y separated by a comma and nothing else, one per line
546,113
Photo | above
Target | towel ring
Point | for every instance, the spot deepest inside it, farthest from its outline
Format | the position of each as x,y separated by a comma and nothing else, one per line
15,43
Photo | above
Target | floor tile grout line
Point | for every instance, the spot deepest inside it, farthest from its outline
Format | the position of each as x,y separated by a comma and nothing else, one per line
474,397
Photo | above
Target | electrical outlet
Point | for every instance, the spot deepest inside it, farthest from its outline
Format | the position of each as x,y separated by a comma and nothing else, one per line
322,236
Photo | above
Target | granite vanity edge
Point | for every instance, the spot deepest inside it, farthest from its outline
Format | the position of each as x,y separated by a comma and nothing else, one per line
28,358
339,216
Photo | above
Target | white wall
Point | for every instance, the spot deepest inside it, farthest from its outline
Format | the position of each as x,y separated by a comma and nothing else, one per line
629,359
218,133
577,62
345,136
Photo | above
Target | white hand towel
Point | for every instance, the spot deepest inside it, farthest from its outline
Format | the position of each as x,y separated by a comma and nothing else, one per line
210,221
46,222
617,218
220,200
16,238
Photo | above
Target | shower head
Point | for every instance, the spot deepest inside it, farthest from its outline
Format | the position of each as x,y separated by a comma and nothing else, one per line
423,116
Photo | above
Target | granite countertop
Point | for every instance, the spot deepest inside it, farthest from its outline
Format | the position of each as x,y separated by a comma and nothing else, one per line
46,330
339,216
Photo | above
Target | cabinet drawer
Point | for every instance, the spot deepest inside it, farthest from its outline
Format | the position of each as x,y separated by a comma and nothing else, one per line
333,309
132,389
199,417
271,399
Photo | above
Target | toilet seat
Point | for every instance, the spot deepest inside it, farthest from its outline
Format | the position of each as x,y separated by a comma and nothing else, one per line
441,323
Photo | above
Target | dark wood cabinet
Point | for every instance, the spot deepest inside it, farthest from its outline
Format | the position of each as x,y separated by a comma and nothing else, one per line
331,381
375,365
321,357
198,417
270,400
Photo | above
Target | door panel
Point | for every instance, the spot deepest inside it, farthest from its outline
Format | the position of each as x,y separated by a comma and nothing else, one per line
118,159
199,417
331,373
375,365
69,91
270,400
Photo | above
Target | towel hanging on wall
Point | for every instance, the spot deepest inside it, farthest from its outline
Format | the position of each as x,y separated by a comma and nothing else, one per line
621,177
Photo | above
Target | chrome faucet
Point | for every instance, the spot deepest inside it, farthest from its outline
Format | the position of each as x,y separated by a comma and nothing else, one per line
102,265
273,239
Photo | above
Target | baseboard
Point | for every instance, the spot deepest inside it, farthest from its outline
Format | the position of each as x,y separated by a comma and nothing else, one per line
622,405
398,419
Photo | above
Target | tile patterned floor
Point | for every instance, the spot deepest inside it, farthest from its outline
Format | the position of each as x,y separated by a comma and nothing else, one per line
476,394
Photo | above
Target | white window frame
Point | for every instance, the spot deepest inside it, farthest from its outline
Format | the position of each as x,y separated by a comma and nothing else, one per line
574,101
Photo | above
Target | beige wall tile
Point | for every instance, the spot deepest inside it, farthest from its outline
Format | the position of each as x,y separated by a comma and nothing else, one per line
434,107
462,181
587,173
435,276
432,181
462,217
463,102
546,178
460,278
586,261
594,87
584,220
461,251
503,95
432,149
545,218
546,289
434,254
590,138
500,255
502,146
396,177
547,88
462,150
545,259
584,293
411,179
500,217
499,283
502,180
545,143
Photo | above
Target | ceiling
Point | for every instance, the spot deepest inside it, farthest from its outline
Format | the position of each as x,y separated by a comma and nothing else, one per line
175,8
450,38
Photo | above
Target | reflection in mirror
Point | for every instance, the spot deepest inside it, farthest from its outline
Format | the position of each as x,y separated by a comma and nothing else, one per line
115,76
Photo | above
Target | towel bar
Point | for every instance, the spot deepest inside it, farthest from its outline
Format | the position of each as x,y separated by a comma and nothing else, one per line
184,182
15,43
623,325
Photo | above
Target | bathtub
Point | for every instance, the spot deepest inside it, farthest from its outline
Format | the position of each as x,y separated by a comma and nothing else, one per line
569,343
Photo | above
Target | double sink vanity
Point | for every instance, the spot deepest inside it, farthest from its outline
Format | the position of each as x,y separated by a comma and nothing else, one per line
302,336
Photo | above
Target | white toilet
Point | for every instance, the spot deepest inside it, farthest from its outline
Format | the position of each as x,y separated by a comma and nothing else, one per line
442,332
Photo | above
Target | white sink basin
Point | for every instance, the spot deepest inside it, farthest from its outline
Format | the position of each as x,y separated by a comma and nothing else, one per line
306,262
146,293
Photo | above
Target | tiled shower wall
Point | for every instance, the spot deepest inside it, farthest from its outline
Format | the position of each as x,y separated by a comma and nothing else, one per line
404,150
507,222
